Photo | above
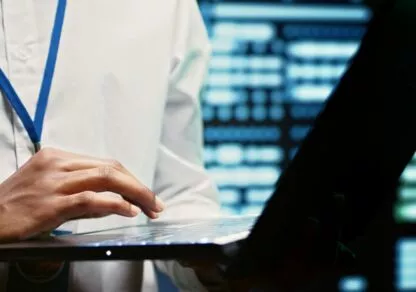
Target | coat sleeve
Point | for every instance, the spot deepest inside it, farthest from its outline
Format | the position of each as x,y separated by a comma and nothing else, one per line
180,179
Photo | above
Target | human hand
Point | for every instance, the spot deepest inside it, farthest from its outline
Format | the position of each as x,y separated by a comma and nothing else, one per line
54,187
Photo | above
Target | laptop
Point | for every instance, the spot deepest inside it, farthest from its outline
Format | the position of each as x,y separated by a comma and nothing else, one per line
347,165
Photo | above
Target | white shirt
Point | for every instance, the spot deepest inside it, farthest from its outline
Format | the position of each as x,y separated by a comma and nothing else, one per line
126,87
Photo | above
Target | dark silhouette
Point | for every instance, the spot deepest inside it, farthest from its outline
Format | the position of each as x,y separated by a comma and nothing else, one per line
342,183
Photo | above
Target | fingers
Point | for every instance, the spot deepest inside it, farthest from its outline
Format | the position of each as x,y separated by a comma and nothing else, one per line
106,167
84,162
90,204
71,162
104,179
79,173
149,213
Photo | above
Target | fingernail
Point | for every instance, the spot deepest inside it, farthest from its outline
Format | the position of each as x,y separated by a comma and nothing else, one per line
160,206
152,215
134,210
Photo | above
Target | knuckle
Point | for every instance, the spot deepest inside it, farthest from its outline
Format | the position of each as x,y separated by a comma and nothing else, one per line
115,164
105,173
84,200
51,215
60,164
46,156
116,205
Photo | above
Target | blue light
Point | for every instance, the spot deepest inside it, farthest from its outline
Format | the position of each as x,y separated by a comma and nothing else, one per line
291,12
224,63
259,47
409,174
408,193
221,97
224,114
230,154
230,196
239,79
224,45
277,113
259,113
231,211
278,46
247,32
252,154
217,79
259,196
265,63
308,72
259,96
252,210
242,95
293,152
242,113
323,31
272,154
269,80
241,134
311,92
270,61
293,31
406,265
208,113
298,133
263,154
353,284
242,47
244,176
209,155
277,96
408,212
406,248
228,63
324,50
305,111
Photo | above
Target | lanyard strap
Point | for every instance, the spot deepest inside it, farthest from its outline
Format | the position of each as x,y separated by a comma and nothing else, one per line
34,127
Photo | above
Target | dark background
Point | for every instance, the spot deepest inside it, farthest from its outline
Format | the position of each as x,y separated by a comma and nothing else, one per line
269,77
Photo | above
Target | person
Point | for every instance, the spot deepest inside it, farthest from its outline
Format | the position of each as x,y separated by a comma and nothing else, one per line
100,105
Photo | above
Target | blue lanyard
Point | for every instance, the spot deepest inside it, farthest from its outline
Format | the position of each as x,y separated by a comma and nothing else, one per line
34,127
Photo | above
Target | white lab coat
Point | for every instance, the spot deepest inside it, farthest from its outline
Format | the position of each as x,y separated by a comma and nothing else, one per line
126,87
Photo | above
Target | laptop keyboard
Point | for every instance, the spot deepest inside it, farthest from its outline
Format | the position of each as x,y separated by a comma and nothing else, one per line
217,231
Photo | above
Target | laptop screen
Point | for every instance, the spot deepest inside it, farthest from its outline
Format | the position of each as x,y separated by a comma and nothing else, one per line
359,145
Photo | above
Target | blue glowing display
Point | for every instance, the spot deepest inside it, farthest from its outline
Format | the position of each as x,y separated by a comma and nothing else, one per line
273,65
